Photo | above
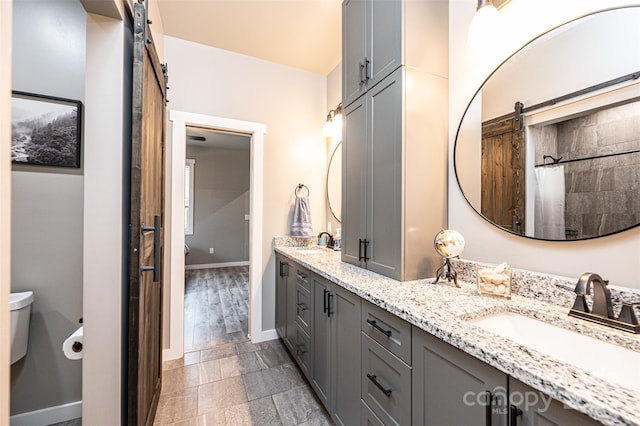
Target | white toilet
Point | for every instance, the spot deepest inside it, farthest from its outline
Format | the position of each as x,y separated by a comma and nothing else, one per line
20,307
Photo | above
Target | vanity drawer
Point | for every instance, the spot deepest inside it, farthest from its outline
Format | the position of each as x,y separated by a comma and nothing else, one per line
303,278
368,417
303,351
303,308
386,383
387,329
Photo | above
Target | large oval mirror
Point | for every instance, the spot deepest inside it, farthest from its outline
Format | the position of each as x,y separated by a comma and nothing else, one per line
549,147
334,183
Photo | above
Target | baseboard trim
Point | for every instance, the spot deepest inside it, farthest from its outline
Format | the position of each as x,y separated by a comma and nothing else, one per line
47,416
215,265
263,336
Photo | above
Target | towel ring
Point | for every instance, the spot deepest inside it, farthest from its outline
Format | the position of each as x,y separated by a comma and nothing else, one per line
300,186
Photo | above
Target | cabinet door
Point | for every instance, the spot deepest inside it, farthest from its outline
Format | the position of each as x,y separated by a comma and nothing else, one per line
353,50
345,361
292,311
321,371
384,38
354,182
538,409
453,388
385,106
282,270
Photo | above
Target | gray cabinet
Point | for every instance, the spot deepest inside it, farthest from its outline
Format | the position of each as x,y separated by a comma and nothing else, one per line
294,311
336,357
284,280
395,150
450,387
394,178
372,166
372,44
529,407
370,367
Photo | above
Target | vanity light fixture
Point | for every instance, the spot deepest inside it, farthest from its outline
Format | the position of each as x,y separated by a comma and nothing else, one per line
333,126
485,24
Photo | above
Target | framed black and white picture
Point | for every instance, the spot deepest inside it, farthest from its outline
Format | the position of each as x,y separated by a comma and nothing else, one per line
45,130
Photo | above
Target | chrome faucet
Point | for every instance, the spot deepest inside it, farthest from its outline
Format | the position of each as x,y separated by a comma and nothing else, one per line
602,308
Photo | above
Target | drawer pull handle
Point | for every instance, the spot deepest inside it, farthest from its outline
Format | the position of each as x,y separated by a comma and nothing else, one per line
375,325
301,350
301,276
302,307
373,378
488,408
515,413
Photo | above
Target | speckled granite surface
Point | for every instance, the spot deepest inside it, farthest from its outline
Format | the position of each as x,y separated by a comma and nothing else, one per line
443,310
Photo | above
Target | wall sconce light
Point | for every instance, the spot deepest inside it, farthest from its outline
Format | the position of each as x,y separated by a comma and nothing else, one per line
333,126
485,24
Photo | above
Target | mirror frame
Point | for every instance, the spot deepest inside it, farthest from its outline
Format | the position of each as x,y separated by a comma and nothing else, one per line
331,208
476,94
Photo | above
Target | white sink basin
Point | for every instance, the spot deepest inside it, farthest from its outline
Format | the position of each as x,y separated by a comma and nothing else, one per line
604,360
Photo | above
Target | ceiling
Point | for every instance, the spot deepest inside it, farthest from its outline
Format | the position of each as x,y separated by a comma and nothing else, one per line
304,34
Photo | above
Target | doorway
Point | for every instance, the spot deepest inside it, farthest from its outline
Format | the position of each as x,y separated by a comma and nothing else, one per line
217,205
180,121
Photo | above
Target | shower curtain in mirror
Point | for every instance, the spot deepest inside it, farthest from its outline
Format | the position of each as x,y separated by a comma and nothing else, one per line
550,203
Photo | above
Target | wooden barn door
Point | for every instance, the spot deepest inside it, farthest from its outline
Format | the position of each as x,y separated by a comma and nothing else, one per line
503,174
146,225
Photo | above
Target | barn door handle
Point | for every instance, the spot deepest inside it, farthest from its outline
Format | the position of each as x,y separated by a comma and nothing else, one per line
156,247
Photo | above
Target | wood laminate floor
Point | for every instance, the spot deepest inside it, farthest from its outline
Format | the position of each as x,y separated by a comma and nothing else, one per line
224,379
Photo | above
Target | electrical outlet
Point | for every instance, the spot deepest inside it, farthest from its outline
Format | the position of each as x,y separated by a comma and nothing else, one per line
210,250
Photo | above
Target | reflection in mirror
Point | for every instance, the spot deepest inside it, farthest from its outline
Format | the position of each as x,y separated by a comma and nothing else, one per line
334,183
549,147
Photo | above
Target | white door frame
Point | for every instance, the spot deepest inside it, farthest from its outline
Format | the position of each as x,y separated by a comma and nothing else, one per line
176,156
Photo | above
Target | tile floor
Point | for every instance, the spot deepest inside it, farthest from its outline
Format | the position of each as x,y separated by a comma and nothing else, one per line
232,381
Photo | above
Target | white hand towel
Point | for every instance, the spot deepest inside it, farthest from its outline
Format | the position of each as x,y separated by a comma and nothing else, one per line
301,223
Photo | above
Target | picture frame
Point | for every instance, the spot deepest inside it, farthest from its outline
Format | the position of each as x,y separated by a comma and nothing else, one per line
45,130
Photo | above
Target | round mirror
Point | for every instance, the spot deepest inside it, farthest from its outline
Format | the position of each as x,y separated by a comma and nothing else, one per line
549,147
334,183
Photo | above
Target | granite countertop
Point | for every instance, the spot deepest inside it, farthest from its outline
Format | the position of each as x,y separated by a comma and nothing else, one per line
443,310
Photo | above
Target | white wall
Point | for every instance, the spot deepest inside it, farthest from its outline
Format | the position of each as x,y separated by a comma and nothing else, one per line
586,53
5,202
616,256
292,104
334,97
102,299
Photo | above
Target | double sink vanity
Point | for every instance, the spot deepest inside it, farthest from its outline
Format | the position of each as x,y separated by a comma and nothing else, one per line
380,351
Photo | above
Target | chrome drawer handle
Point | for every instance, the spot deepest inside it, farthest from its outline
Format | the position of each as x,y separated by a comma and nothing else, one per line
375,325
373,378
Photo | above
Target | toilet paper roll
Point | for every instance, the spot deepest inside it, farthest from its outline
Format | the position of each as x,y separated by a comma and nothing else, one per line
73,345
